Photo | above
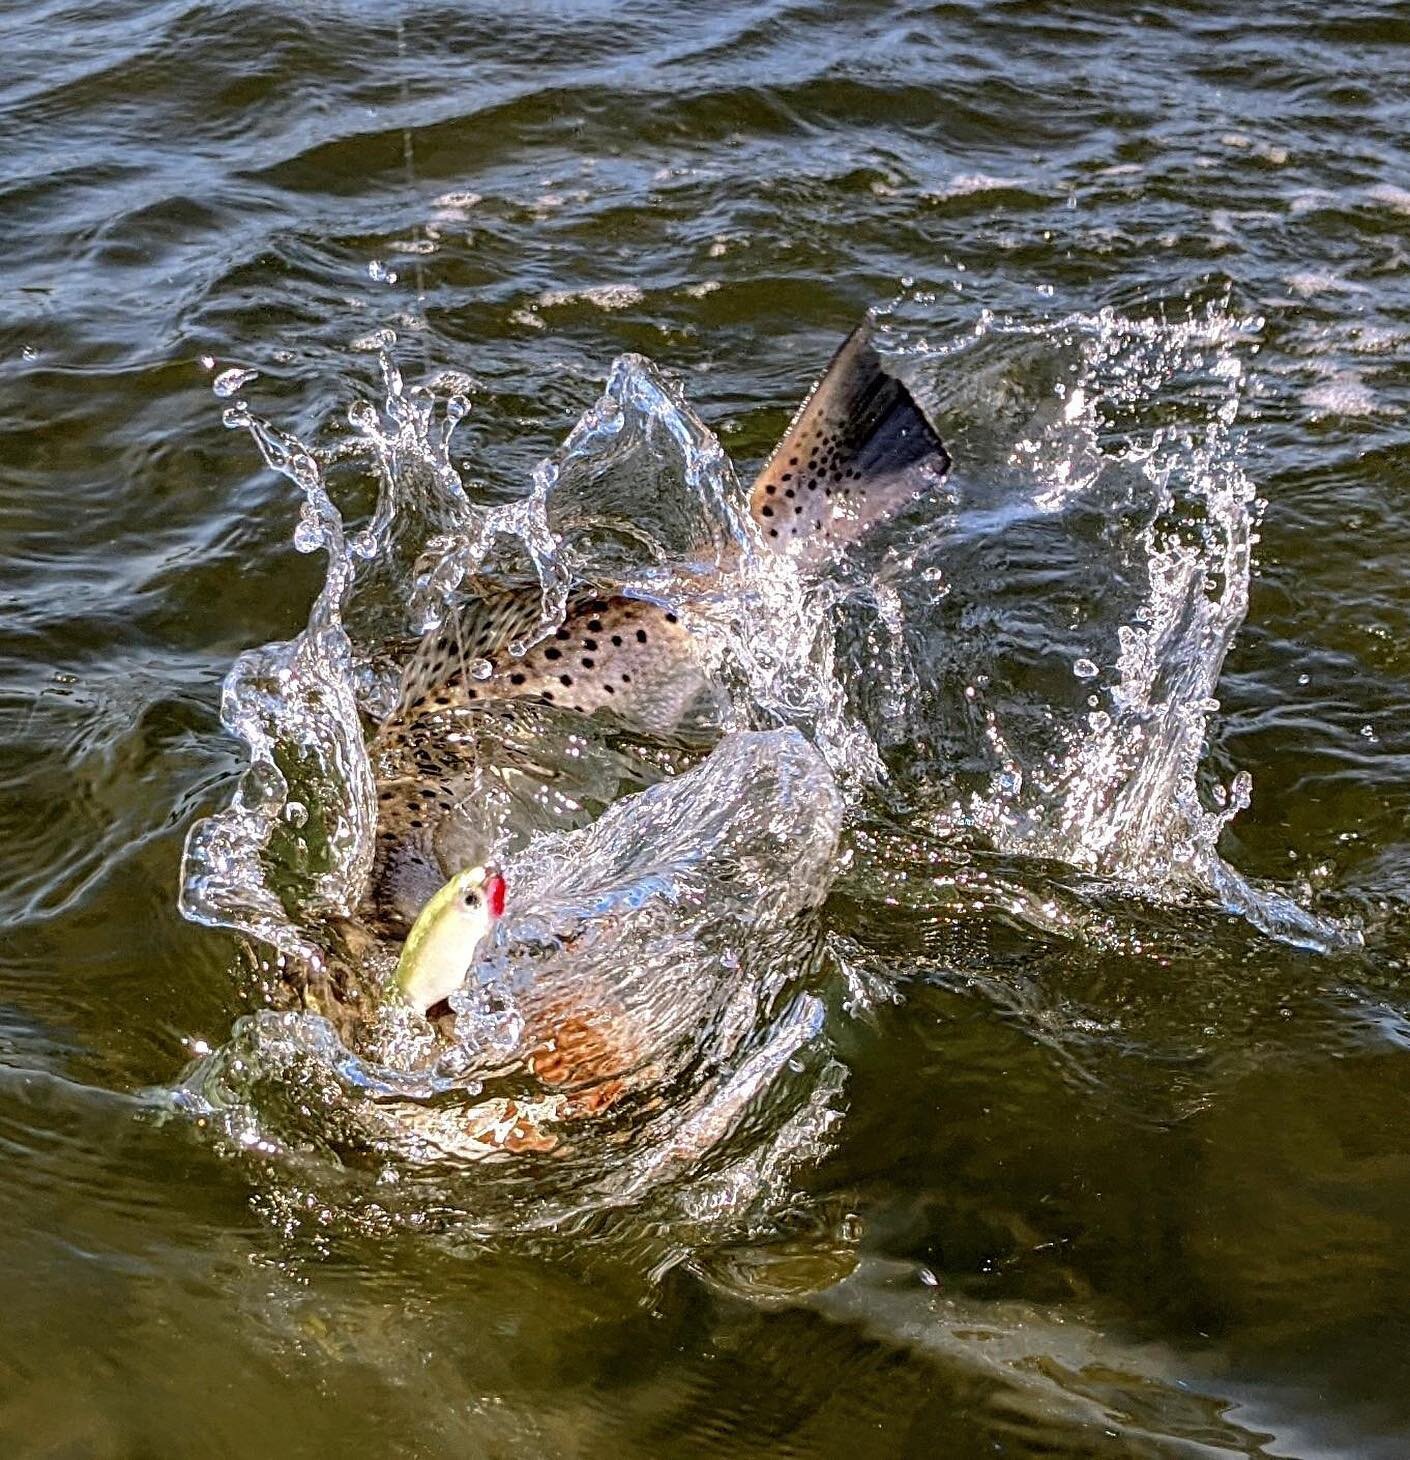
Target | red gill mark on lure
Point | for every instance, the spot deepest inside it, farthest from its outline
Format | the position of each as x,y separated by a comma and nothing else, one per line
494,894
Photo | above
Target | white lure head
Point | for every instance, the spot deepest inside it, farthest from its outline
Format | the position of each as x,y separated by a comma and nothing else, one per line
443,940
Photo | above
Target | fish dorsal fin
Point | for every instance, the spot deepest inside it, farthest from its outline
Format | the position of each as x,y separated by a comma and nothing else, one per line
857,451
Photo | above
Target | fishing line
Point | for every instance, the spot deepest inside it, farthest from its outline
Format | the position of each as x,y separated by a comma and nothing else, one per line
408,153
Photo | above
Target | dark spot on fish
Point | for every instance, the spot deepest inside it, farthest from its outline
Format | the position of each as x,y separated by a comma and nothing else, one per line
768,511
616,641
790,493
770,489
595,625
561,634
588,663
590,645
671,618
641,636
548,695
565,679
552,653
793,461
516,678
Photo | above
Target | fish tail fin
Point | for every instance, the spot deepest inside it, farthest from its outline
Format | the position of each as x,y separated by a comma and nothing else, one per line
858,449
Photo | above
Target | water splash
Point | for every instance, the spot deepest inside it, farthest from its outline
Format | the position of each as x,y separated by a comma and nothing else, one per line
683,904
678,928
295,707
650,881
1114,786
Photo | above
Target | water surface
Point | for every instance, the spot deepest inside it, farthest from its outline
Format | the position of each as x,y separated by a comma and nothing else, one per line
1120,1168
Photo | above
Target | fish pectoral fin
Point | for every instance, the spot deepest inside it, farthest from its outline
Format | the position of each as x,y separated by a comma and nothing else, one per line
856,452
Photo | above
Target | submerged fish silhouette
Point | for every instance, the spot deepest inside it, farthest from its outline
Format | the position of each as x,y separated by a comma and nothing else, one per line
857,450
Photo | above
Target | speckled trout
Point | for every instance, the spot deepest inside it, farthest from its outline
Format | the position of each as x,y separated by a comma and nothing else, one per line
855,453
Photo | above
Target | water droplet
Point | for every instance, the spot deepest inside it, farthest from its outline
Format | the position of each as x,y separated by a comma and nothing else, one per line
308,535
377,270
1085,669
296,813
229,381
1304,679
480,669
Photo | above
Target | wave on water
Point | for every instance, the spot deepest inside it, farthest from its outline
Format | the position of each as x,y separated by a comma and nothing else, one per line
685,892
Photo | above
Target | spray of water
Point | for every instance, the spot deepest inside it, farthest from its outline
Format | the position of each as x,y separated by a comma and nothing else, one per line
1112,784
681,920
687,909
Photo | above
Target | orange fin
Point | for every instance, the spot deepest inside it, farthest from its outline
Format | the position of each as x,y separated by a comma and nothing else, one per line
857,451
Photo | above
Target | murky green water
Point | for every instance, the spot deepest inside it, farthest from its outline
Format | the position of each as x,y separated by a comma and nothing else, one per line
1113,1176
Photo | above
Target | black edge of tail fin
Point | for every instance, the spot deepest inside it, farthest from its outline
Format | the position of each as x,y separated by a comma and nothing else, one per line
857,450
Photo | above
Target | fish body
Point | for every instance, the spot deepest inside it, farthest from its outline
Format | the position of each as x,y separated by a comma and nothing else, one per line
624,655
856,452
